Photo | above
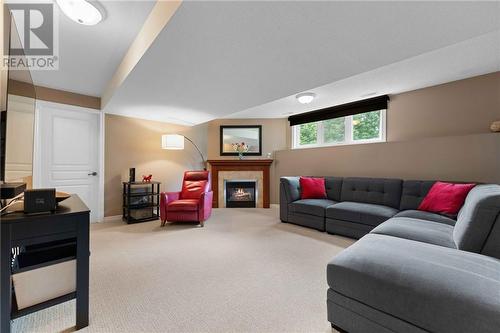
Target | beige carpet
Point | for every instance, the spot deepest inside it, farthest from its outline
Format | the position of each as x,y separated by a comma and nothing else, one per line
245,271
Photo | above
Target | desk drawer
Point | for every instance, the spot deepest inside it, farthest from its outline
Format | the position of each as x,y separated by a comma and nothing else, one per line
44,226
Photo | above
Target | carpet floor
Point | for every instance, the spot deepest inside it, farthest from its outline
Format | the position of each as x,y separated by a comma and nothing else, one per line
245,271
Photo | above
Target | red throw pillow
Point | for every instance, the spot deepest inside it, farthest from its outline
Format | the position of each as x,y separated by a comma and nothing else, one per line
312,188
445,198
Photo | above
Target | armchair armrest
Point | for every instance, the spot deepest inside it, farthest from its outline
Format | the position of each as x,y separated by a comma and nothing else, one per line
205,208
170,196
165,198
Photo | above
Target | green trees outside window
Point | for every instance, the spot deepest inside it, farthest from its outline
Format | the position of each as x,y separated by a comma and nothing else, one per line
366,126
308,133
334,130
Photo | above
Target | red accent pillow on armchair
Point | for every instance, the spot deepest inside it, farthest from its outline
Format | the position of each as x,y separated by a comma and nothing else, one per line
312,188
445,198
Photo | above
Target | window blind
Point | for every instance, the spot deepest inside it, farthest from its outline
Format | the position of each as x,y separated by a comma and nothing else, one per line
343,110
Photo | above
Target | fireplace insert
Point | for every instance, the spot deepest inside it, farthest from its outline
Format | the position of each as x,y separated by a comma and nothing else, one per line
240,193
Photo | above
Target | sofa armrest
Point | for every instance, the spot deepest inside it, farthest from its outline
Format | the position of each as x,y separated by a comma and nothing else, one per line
291,189
205,209
289,192
165,198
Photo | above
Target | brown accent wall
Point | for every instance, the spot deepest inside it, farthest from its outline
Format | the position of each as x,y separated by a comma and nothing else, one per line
131,142
440,132
53,95
274,138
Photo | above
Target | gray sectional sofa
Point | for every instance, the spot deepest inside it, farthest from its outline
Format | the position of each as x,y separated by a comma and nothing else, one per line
414,271
354,205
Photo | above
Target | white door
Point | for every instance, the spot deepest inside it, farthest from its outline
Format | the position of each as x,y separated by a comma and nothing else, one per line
69,153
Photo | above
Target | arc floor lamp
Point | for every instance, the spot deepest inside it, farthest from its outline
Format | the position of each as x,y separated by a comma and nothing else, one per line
176,142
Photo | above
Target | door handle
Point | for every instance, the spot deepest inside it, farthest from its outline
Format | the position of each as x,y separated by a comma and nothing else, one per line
92,174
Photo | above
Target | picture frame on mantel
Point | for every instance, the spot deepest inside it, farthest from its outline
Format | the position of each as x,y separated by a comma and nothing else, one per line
251,135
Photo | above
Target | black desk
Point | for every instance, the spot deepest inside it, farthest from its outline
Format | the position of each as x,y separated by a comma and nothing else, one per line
71,220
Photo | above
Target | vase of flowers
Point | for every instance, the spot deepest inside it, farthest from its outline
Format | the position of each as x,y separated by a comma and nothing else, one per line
240,148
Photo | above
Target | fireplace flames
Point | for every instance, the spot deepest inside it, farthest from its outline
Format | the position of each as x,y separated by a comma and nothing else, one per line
241,195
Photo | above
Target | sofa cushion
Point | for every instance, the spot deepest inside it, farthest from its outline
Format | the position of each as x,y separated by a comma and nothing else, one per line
414,191
418,230
435,288
418,214
476,220
183,205
312,188
310,206
360,212
378,191
492,246
347,228
333,187
307,220
445,198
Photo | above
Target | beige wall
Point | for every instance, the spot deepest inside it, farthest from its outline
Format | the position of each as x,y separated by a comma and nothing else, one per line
474,157
131,142
439,132
273,138
457,108
273,135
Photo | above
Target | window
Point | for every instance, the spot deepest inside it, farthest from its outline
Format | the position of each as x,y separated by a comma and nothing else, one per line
360,128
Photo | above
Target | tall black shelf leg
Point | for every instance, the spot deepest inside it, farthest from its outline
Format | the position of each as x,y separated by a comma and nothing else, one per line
82,273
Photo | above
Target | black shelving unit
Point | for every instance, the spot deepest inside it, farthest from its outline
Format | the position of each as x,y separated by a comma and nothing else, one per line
141,201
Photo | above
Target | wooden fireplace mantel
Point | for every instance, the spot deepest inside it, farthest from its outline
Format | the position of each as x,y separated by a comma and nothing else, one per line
241,165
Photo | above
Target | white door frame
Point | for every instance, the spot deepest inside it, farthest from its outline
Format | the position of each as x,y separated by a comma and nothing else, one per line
37,158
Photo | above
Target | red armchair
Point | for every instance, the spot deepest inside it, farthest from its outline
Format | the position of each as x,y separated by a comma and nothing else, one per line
192,204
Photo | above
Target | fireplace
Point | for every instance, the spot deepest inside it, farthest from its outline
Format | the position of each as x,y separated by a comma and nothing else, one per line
240,193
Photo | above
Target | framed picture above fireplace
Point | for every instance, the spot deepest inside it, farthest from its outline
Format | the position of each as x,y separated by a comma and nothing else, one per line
233,135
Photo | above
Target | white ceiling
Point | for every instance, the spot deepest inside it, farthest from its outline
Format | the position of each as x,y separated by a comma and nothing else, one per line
89,55
217,59
473,57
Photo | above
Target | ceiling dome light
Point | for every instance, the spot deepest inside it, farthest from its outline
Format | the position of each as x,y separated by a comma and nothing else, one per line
80,11
305,98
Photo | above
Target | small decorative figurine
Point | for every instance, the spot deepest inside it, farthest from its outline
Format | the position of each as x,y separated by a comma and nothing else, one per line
146,179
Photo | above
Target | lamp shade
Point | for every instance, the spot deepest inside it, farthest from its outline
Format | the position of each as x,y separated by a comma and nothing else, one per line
172,141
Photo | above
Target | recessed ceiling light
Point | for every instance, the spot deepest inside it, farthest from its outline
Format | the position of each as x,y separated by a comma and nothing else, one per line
305,98
80,11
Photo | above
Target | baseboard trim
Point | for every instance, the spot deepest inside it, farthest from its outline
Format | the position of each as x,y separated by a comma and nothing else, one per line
111,218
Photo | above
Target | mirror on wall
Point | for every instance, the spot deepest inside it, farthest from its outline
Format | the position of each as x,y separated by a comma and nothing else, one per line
19,118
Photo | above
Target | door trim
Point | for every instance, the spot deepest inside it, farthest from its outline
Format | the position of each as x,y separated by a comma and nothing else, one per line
37,158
